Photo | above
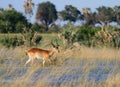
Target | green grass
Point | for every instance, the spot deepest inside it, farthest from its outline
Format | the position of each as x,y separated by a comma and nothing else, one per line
46,37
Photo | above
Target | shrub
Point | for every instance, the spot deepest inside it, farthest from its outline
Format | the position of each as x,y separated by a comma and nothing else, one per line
31,37
109,38
85,35
116,42
38,28
12,41
27,39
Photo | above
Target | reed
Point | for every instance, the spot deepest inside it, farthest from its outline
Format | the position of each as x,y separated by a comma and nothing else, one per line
76,67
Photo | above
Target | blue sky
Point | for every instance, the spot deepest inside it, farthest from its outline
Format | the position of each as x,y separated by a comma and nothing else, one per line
60,4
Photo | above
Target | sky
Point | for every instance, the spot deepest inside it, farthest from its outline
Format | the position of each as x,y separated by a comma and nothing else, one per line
60,4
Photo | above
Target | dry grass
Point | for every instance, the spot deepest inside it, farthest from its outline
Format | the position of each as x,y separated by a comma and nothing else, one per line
102,53
71,68
92,53
113,82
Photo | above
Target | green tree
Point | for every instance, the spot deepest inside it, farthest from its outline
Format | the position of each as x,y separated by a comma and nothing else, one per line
11,21
104,15
117,14
70,13
46,14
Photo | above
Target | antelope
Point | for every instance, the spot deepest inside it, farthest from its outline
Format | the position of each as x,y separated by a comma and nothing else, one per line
39,54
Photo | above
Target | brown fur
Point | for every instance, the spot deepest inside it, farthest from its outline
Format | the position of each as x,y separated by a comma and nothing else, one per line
40,54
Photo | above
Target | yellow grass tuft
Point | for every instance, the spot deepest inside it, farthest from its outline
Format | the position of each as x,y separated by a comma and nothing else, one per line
91,53
113,82
102,53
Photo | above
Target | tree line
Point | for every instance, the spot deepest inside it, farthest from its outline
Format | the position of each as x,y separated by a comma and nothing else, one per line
86,33
12,21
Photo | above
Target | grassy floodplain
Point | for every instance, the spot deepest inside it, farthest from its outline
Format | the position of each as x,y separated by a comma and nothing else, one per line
77,67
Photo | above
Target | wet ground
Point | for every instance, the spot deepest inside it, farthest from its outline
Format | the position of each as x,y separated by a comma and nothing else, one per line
71,71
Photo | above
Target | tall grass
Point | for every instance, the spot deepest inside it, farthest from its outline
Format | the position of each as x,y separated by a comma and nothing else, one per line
77,67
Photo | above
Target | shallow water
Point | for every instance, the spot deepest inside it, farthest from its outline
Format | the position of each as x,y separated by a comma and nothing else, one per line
70,71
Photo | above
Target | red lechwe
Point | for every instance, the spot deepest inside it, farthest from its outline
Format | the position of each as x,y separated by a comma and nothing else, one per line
39,54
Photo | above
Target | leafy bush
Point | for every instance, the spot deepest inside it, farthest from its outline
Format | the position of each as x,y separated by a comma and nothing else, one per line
12,41
66,37
27,39
108,38
8,41
38,28
30,37
85,34
116,42
116,37
69,36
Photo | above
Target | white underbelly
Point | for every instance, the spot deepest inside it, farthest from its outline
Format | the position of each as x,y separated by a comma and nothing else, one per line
38,57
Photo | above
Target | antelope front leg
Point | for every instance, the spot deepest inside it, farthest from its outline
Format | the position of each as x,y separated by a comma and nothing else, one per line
43,62
27,61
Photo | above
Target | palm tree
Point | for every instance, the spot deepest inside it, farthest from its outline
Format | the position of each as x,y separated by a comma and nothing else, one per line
28,7
86,10
10,7
88,16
